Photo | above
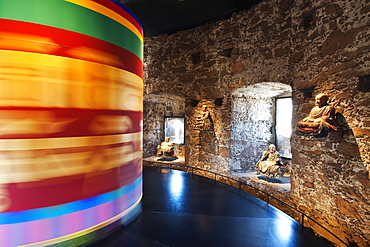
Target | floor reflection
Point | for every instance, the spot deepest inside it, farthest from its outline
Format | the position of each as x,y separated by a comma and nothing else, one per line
176,186
284,227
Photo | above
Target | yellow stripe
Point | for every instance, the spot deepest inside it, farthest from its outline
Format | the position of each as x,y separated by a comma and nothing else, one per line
109,13
66,142
41,80
86,231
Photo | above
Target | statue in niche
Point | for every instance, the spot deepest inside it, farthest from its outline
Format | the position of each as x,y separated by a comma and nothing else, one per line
203,120
165,148
270,164
320,120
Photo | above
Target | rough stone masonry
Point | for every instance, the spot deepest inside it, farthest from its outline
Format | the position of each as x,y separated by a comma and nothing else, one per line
313,46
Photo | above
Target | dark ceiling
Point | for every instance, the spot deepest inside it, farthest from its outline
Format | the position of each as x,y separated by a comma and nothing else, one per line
169,16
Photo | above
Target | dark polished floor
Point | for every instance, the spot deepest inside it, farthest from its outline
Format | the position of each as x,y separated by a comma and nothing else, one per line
180,209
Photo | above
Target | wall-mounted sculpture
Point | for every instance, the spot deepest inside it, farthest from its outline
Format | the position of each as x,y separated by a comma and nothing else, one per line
204,120
320,120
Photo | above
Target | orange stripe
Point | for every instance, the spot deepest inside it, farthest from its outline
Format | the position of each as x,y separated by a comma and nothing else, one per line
39,80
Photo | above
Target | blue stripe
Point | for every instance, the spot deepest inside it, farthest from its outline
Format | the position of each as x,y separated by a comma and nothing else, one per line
119,4
54,211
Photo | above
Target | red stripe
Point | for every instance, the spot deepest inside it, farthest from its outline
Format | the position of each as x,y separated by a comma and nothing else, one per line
61,190
120,11
67,40
80,122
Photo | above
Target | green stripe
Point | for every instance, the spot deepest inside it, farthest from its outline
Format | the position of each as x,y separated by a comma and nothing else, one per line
66,15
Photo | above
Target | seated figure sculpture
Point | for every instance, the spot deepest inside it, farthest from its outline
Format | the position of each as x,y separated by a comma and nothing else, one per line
320,119
165,148
270,164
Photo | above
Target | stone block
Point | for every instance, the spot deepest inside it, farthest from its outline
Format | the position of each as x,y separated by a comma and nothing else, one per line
237,67
224,151
347,208
361,132
281,51
366,123
309,185
337,40
187,77
342,66
296,57
331,9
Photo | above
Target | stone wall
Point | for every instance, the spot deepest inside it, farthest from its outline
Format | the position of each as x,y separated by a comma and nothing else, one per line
312,46
251,131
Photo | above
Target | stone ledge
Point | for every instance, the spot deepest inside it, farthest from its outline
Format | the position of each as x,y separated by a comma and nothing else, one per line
266,184
333,136
179,161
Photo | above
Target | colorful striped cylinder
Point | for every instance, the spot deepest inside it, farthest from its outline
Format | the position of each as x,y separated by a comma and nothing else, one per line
71,83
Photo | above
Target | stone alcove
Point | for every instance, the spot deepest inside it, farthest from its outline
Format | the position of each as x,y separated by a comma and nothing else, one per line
157,106
253,122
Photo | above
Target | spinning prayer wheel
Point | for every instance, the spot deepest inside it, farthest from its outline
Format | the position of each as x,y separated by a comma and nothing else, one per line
71,78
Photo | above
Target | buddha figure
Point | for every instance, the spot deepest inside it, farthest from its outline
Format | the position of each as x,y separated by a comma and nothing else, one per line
165,148
270,164
320,120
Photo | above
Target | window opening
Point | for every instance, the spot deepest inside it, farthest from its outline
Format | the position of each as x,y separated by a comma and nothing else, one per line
174,129
283,126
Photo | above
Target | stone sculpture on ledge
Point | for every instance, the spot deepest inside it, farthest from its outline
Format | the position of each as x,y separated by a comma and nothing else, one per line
203,120
320,120
270,164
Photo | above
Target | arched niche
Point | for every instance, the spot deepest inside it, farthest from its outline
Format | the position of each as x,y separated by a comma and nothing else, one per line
157,106
253,122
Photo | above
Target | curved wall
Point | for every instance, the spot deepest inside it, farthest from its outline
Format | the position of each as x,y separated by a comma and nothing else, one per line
314,46
70,118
